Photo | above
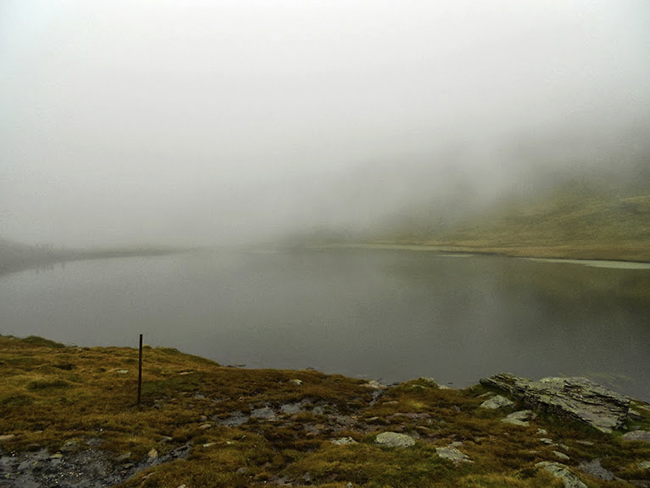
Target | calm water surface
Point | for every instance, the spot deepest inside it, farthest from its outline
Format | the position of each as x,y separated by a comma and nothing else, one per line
385,314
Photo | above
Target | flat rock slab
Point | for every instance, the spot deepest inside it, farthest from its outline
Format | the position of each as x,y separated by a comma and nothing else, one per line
558,470
576,398
393,439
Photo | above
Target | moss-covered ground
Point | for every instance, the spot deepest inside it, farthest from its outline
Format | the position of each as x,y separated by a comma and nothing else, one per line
263,427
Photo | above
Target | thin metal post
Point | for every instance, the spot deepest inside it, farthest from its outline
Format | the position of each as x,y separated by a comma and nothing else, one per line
140,373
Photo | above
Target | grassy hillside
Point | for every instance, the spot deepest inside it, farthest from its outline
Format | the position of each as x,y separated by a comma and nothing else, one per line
570,223
68,414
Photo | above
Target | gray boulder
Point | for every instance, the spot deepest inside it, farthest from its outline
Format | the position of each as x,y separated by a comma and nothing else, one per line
576,398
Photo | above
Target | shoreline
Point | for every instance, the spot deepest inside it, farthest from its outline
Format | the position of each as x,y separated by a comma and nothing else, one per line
460,251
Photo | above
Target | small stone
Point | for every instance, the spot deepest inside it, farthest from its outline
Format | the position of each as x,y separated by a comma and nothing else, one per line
644,465
558,470
443,387
209,444
637,435
453,454
546,440
393,439
205,426
585,443
181,486
495,402
561,455
542,432
58,455
123,457
342,441
122,371
153,454
7,437
296,382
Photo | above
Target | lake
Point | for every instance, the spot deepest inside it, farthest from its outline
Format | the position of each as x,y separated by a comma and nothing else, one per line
387,314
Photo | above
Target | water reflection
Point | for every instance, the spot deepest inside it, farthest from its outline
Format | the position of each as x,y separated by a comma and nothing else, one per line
393,315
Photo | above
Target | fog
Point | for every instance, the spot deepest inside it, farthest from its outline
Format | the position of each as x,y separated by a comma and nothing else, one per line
224,122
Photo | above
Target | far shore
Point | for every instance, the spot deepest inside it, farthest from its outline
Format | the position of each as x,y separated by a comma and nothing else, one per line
461,251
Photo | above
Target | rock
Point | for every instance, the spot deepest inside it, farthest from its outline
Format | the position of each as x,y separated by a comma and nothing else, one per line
644,465
558,470
576,398
263,413
205,426
593,468
393,439
495,402
450,452
153,454
7,437
342,441
122,371
70,446
561,455
374,385
296,382
637,435
546,440
519,418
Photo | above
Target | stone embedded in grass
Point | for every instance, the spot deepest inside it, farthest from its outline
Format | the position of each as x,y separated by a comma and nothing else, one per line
519,418
644,465
7,437
393,439
558,470
450,452
342,441
153,454
637,435
495,402
561,455
296,382
593,468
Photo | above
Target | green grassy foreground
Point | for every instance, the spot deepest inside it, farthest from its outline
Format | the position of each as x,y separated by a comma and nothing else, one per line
51,394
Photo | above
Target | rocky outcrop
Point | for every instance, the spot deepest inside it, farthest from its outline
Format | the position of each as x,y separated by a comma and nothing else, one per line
576,398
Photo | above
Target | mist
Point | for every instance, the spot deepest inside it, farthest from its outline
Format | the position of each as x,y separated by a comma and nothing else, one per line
236,122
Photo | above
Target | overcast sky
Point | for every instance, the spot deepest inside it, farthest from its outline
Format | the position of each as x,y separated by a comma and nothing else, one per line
208,121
